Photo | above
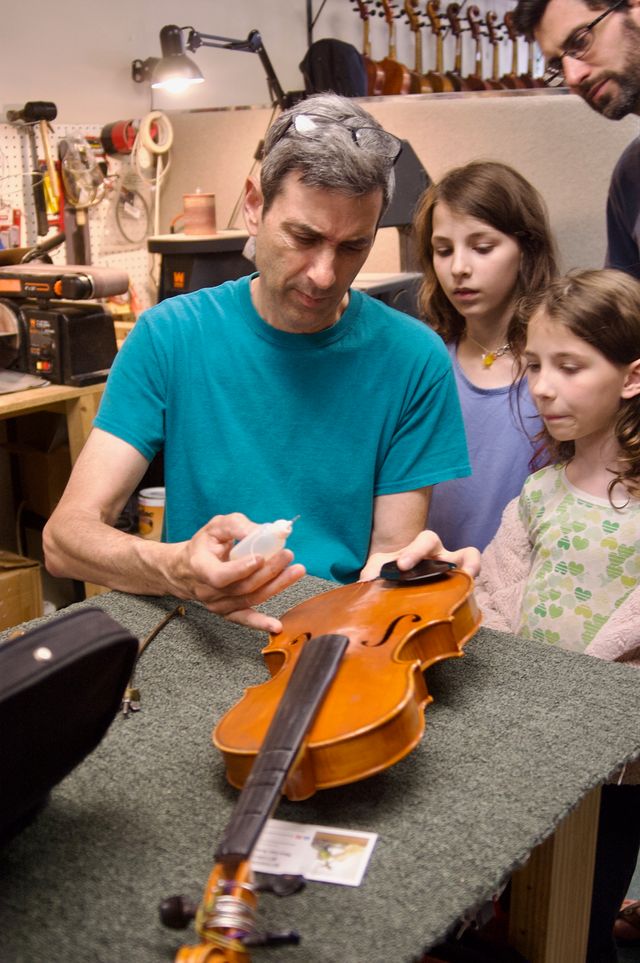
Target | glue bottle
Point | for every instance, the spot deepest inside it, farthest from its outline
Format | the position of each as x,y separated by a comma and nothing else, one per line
266,540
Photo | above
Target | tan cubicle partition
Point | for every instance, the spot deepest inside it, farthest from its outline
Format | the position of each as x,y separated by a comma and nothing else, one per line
566,150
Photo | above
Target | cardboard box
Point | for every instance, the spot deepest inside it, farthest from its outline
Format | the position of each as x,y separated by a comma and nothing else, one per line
20,589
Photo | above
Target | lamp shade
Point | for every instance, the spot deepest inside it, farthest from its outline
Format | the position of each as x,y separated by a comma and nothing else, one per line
175,73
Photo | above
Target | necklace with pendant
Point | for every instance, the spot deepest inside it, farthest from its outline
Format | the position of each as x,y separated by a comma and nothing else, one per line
488,357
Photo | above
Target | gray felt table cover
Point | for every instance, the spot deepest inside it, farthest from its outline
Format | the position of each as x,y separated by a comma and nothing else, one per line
517,734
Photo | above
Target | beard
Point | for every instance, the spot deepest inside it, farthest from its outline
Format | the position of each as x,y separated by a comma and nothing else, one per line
626,99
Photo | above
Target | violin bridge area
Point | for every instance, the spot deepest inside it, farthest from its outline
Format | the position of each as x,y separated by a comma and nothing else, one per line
517,736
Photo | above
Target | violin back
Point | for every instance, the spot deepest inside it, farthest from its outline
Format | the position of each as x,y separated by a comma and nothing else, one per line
373,714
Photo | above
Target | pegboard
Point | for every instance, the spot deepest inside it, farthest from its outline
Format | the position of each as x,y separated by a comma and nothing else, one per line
109,248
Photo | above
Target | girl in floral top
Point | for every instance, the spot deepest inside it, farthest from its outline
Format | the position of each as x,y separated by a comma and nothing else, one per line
573,536
564,566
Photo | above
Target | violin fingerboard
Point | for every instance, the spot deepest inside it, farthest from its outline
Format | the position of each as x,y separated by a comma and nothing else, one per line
314,671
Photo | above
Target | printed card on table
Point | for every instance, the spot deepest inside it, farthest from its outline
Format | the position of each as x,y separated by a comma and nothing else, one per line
320,853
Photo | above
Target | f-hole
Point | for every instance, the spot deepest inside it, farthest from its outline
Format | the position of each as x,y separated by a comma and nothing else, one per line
391,629
299,639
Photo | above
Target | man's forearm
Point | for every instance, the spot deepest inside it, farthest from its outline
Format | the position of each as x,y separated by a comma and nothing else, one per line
86,547
92,551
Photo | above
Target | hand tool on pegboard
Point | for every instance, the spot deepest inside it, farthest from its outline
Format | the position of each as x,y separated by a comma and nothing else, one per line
40,112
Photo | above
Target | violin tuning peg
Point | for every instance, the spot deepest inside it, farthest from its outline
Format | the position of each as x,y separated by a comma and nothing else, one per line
272,939
284,885
176,912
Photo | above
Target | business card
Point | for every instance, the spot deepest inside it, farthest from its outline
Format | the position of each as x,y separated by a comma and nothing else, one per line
319,853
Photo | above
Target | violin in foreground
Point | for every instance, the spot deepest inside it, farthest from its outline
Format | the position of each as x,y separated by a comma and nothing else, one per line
346,700
397,626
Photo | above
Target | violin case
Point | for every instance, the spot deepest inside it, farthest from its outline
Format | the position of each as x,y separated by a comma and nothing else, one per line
61,685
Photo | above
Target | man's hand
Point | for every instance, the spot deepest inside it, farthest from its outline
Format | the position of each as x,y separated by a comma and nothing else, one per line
425,545
201,570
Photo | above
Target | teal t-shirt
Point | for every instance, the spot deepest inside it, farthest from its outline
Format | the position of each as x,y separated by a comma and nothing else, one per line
273,424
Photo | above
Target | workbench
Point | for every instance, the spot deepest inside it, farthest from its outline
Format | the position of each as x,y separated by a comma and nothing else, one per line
505,780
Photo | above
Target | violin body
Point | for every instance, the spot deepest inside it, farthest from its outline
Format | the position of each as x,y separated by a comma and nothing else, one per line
375,77
513,82
417,83
373,715
424,85
476,83
397,78
457,81
439,83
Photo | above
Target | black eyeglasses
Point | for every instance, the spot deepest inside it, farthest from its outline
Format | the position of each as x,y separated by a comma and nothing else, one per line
577,48
367,138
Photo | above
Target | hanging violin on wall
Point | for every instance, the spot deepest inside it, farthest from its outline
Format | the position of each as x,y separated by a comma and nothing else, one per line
397,78
474,20
419,81
514,79
438,79
375,72
491,22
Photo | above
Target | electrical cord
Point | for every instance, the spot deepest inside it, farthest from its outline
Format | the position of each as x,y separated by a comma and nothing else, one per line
145,143
157,147
131,215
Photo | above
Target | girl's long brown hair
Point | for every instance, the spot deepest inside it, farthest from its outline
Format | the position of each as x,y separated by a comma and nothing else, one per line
501,197
603,309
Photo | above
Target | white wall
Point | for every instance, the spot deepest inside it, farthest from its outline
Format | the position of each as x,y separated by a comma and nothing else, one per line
78,53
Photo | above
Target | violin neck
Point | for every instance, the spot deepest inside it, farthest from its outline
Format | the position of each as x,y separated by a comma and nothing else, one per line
313,674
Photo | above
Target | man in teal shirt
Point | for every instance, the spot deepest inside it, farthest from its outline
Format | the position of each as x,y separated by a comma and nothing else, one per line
283,394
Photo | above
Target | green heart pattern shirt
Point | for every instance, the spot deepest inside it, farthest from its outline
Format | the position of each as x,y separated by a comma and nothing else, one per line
585,559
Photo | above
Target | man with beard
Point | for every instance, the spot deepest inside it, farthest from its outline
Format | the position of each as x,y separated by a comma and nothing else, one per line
595,47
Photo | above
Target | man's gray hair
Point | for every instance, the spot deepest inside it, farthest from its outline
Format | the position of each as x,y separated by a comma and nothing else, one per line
330,158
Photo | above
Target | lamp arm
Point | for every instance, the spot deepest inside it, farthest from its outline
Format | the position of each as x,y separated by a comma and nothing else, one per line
253,44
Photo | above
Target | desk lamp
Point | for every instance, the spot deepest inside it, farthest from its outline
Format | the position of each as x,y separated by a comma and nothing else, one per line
175,71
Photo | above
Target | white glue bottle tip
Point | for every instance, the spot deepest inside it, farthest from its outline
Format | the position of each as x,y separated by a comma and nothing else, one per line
265,540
